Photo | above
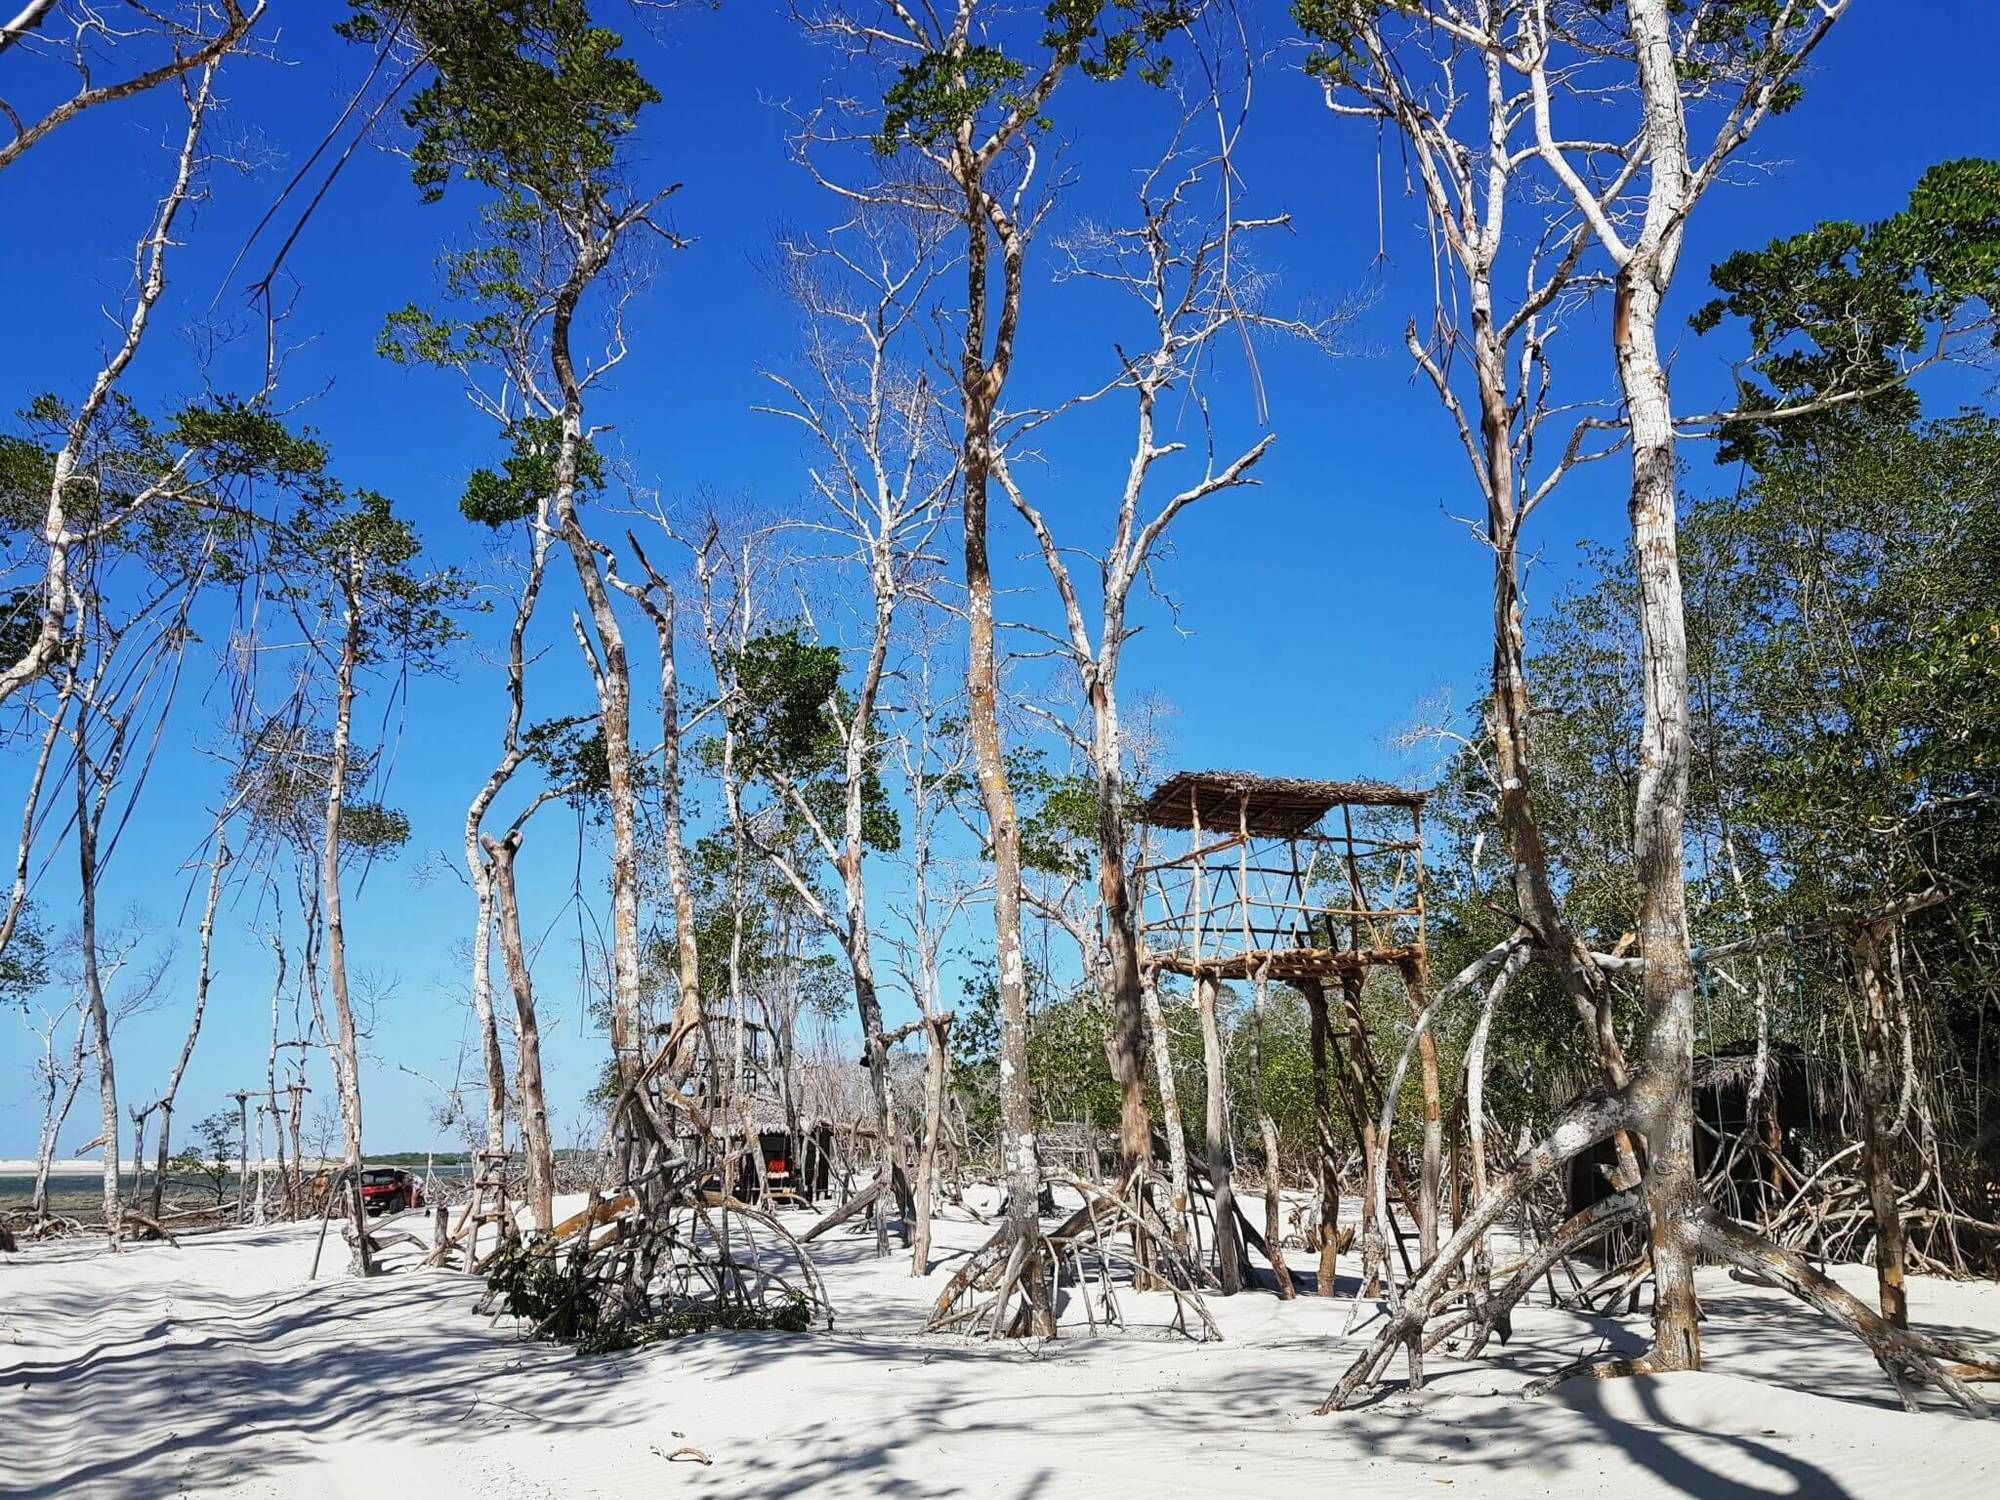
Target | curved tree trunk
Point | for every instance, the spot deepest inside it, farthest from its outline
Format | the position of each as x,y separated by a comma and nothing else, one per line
980,384
535,1144
165,1103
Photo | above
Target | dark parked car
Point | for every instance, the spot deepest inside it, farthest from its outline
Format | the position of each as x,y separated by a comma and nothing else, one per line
390,1190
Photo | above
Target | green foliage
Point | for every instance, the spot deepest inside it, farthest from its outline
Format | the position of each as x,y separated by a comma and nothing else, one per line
523,93
1842,309
943,93
281,785
792,711
372,829
791,1315
371,558
572,755
1058,815
212,1162
1844,665
551,1295
1334,28
201,468
527,475
24,963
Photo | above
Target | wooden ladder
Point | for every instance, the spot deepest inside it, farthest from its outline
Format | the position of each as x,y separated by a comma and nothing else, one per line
489,1205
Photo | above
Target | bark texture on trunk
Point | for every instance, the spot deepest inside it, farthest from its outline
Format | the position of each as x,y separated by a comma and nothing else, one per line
1373,1249
1326,1150
611,677
1267,1129
206,940
1876,1129
1666,1093
937,1066
1125,1041
345,1052
1170,1109
1228,1244
980,383
1412,972
536,1146
90,802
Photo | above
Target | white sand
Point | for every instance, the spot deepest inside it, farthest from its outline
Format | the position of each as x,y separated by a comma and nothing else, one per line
217,1367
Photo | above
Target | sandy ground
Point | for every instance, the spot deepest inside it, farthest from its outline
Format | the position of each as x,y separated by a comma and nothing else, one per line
217,1366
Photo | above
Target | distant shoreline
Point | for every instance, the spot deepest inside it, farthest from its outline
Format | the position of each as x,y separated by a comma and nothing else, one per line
25,1167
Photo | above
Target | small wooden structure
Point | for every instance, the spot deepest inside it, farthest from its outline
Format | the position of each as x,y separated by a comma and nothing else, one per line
1309,877
1290,880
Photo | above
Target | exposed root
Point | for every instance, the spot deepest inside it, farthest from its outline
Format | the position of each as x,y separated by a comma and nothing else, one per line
1597,1368
995,1289
1491,1313
1907,1358
1588,1121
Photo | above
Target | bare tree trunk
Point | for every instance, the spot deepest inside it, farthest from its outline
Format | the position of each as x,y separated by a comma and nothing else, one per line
658,602
1876,1168
535,1144
1170,1109
1125,1041
88,809
980,384
55,1114
1327,1153
1373,1255
512,753
345,1048
1268,1129
492,1062
611,676
1475,1108
1666,1093
165,1103
271,1076
1229,1248
937,1032
1427,1190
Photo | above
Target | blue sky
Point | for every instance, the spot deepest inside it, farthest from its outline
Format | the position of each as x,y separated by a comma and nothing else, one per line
1315,612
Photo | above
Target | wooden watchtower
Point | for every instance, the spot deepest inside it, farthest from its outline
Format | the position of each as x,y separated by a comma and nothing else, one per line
1308,877
1292,881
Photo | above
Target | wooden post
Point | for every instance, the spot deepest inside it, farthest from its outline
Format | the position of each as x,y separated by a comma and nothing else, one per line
242,1098
1228,1248
1314,990
1266,1126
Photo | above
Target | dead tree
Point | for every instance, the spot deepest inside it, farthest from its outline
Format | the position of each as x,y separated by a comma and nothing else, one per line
881,474
934,757
1175,261
514,751
537,1149
205,946
1657,1097
161,47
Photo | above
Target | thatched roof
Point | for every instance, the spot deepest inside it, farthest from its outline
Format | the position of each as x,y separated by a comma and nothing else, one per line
1280,806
